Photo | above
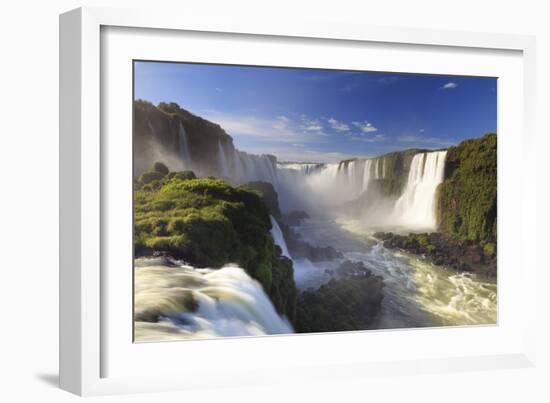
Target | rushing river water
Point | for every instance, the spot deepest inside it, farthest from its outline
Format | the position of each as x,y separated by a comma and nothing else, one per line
177,301
187,302
416,294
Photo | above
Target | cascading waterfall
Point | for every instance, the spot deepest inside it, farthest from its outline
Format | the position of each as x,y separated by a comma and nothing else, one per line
222,161
184,147
377,169
416,206
346,181
242,167
366,176
278,237
334,184
345,203
175,301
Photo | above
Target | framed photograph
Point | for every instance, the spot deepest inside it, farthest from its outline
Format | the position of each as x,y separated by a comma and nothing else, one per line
243,201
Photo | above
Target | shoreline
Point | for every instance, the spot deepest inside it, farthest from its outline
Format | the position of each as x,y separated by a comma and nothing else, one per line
440,250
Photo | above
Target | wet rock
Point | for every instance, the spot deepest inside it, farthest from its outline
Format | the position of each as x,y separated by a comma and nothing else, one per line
441,250
349,268
345,304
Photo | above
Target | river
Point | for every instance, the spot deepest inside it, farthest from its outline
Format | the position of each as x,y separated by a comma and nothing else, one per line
416,294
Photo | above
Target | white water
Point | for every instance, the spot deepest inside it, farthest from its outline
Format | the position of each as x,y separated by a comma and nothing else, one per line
332,185
415,209
184,147
278,237
416,294
222,161
230,303
318,187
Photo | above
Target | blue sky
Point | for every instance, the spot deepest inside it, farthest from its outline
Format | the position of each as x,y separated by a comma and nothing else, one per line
325,115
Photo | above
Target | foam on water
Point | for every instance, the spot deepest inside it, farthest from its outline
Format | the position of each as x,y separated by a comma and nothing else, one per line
175,302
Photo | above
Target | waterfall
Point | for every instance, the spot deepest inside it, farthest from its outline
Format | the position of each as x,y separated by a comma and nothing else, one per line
335,184
222,161
366,176
184,147
415,208
327,185
278,237
175,301
250,167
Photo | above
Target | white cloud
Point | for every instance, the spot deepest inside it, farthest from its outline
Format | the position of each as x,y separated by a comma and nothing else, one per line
421,131
449,86
371,139
281,128
313,127
338,126
281,122
365,127
409,138
307,154
310,125
419,141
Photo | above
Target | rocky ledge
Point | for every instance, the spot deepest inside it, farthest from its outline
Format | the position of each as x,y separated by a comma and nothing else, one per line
351,302
441,250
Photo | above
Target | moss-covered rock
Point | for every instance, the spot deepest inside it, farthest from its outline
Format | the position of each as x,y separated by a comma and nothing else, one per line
283,288
208,223
159,167
268,194
204,221
442,250
182,175
467,198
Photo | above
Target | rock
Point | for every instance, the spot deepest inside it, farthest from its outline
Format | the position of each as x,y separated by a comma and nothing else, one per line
348,269
441,250
345,304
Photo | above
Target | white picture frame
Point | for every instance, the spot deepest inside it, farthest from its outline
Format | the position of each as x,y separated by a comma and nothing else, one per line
86,346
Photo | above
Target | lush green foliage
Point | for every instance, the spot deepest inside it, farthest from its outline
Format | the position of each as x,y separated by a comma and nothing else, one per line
268,194
208,223
283,288
467,198
204,221
443,250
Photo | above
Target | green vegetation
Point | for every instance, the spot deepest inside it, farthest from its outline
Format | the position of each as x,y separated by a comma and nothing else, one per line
208,223
268,194
467,198
443,250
